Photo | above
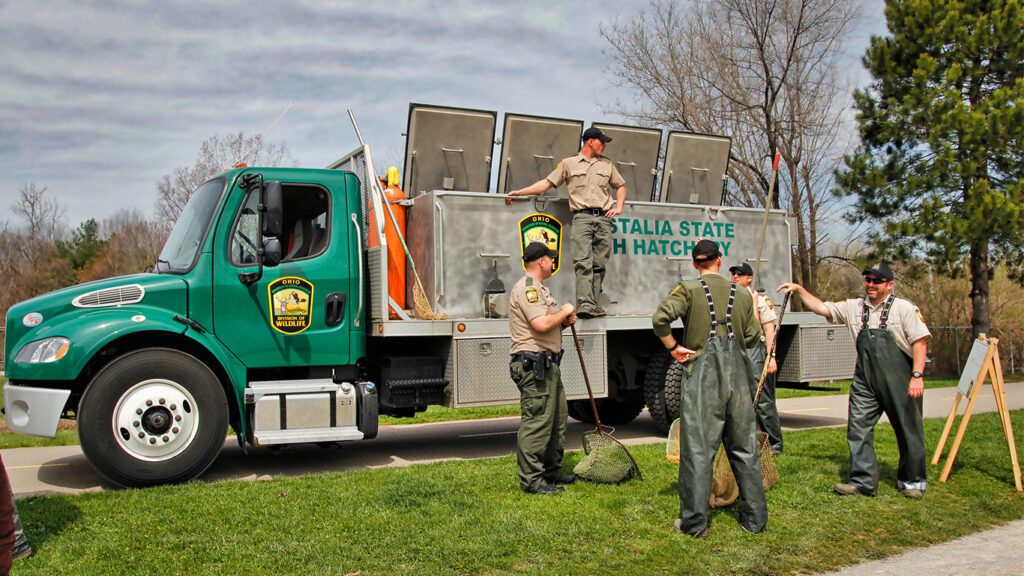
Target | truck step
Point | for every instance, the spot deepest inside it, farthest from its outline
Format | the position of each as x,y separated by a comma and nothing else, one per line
299,436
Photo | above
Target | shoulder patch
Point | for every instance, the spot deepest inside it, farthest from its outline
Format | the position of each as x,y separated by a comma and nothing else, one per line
768,302
676,289
919,315
531,296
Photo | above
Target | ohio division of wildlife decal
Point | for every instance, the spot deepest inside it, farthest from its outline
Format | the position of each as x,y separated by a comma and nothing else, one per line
541,228
291,304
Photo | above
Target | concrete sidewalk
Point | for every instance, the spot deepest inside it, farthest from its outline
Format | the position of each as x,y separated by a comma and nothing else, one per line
995,552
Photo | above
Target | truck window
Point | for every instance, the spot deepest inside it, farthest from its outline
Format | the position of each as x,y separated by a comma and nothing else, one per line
306,221
182,247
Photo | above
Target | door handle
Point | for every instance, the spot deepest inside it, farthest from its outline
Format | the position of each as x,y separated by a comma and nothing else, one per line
334,309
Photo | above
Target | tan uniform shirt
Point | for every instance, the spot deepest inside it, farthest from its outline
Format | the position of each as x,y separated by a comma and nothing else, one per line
765,310
588,181
905,321
531,299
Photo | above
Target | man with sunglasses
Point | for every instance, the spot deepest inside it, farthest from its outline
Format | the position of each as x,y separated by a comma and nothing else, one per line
767,412
892,341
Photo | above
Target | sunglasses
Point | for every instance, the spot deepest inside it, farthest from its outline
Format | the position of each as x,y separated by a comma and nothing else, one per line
873,280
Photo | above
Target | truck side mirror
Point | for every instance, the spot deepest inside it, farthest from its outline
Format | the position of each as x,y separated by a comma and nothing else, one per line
271,252
272,200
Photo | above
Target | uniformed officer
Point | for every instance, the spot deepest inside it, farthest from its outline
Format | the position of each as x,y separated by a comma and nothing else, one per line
535,323
716,405
892,342
591,178
767,412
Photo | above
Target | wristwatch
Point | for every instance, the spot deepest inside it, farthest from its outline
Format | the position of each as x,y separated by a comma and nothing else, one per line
916,374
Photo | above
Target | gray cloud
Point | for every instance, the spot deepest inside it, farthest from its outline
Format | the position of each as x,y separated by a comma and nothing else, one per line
99,99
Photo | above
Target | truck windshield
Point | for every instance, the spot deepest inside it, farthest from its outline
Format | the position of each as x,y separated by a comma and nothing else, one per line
182,247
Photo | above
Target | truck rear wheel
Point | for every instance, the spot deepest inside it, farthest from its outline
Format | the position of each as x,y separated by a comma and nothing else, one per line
663,389
155,416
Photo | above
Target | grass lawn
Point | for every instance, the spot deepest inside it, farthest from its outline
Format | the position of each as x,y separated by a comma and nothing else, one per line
469,517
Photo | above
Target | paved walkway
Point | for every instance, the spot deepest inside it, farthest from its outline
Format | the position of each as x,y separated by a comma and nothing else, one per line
996,552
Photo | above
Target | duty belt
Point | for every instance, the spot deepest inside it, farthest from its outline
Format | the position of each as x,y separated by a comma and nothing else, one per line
594,211
538,362
524,357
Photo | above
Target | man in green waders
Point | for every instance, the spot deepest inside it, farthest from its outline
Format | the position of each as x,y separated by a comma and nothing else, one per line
767,412
892,342
535,324
716,404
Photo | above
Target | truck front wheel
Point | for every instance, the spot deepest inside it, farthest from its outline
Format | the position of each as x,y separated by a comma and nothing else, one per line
155,416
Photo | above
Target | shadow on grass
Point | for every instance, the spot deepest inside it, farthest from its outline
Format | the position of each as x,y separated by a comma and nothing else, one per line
46,518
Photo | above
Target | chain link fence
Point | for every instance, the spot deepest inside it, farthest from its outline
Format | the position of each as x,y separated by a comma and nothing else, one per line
950,346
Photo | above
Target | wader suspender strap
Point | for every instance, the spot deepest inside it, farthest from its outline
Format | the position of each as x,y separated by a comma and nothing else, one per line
728,310
885,313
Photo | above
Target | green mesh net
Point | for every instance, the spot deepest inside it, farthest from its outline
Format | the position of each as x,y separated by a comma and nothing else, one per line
607,461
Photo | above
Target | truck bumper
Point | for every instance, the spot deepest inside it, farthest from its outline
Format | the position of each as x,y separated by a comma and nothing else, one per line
34,411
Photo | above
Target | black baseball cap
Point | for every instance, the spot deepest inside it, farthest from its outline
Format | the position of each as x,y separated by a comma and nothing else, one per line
881,270
706,250
536,250
595,132
743,269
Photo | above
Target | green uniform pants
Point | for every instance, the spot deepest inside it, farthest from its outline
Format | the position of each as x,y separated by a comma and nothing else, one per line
716,408
591,238
541,439
767,412
880,384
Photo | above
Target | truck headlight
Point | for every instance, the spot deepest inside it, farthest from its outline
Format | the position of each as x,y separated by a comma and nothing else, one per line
46,350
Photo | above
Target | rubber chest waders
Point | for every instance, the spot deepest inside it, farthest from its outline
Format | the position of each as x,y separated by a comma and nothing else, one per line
880,384
716,409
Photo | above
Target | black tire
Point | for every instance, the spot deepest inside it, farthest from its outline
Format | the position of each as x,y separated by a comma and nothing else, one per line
613,411
172,399
662,389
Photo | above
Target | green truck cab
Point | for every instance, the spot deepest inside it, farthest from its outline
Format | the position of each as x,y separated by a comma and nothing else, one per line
155,366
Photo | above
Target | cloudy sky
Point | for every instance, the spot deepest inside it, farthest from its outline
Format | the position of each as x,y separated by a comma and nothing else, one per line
101,98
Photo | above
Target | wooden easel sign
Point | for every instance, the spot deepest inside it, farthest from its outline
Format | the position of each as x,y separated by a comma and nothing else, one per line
981,363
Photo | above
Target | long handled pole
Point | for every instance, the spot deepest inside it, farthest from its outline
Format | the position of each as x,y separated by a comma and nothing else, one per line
583,365
764,222
771,349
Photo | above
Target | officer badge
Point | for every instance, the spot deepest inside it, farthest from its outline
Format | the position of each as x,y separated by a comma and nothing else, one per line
543,228
531,296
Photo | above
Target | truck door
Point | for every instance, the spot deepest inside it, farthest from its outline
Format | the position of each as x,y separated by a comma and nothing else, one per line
301,312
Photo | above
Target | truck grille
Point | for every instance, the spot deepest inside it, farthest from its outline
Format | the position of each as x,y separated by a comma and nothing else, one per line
118,296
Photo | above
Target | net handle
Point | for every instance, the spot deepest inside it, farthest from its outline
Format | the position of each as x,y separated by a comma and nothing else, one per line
586,379
771,350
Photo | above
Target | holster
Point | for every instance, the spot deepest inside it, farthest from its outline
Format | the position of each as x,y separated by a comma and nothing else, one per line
540,362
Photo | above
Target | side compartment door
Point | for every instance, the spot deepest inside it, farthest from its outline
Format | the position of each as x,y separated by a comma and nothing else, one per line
299,312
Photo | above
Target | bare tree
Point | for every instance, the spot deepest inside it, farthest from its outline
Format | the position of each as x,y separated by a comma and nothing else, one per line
217,154
132,244
761,71
28,262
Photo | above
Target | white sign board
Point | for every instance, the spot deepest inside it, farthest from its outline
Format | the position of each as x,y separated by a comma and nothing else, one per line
973,366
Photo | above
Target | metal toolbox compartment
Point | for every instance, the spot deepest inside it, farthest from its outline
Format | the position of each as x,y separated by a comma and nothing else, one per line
480,377
815,353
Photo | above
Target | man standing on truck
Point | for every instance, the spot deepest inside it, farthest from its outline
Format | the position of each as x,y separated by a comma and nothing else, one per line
535,324
591,177
892,342
766,410
716,405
